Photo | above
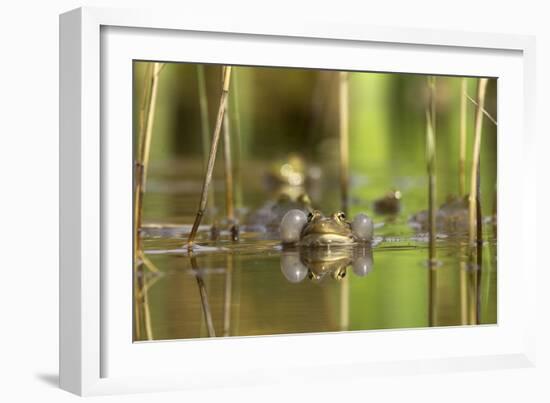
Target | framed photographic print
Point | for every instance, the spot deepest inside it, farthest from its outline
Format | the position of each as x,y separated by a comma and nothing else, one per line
239,198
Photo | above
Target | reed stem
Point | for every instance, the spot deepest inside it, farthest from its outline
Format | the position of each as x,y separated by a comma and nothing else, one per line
463,132
205,133
479,249
203,104
479,221
474,196
228,164
236,118
144,108
431,155
145,134
146,148
211,157
487,114
344,138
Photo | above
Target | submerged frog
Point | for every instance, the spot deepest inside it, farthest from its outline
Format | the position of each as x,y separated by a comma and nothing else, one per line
390,204
315,229
293,171
269,216
451,217
318,263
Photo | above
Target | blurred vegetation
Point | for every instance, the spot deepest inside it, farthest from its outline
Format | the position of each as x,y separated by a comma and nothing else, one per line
283,110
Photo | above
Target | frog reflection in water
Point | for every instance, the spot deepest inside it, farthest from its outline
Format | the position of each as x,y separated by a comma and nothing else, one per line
317,230
317,263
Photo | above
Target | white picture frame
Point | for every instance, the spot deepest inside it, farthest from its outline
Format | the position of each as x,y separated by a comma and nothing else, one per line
96,355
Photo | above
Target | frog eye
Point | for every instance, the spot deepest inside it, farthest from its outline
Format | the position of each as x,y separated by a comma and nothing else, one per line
291,226
309,216
341,216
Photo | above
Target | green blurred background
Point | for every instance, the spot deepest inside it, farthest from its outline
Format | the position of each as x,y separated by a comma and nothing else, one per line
283,110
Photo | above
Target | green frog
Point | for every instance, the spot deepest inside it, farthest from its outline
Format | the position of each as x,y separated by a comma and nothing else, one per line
315,229
321,230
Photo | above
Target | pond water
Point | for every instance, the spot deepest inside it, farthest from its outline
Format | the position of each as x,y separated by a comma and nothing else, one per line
256,287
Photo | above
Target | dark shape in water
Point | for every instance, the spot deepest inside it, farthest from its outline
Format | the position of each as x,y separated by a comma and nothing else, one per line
451,217
317,263
390,204
214,232
235,232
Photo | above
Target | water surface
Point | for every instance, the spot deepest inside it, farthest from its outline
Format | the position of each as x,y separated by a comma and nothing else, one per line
241,288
